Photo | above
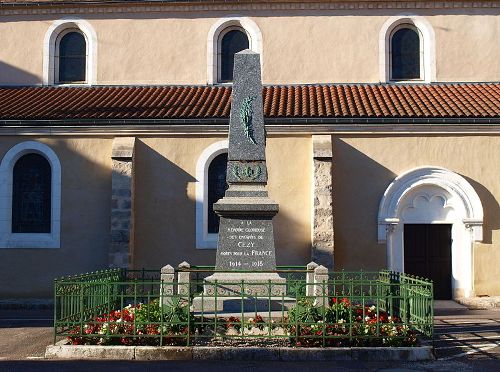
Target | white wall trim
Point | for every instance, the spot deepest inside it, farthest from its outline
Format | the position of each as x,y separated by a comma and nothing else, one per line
34,240
428,46
213,38
50,48
433,195
204,240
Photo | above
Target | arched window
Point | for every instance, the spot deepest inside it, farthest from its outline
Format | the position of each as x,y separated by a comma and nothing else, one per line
231,42
405,53
227,36
217,186
407,49
72,59
70,53
31,195
210,187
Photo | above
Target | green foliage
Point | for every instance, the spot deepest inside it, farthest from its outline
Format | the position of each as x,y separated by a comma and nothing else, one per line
147,313
305,312
345,324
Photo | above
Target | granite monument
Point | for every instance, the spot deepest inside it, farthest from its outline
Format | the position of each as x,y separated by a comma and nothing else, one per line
245,250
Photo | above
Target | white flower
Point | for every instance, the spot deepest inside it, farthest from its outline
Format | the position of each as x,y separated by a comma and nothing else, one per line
389,318
367,318
103,329
342,321
372,308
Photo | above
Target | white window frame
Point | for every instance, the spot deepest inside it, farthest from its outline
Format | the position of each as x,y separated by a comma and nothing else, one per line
52,38
29,240
205,240
427,47
218,30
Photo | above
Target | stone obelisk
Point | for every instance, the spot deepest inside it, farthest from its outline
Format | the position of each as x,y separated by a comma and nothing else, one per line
246,237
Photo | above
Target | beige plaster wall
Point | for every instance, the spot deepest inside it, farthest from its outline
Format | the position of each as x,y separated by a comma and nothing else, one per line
298,46
85,219
365,166
165,200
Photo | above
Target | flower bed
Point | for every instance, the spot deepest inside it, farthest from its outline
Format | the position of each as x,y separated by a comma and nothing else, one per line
344,324
372,309
306,325
143,324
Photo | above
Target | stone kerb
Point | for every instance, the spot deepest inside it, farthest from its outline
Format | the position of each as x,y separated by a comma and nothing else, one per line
64,351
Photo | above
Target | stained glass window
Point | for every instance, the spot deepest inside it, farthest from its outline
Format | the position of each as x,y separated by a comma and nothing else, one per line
31,193
405,49
72,58
217,186
232,42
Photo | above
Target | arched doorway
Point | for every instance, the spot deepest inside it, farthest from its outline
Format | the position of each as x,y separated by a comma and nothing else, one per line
429,217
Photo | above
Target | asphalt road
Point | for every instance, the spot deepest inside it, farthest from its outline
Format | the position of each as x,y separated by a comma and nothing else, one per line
465,341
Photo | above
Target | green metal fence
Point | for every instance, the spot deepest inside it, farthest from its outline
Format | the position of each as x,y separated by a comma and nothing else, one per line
342,309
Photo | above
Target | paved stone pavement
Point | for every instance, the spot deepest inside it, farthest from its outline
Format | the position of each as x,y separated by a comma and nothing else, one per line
465,341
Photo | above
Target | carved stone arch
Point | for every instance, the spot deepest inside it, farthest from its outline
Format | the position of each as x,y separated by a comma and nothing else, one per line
433,195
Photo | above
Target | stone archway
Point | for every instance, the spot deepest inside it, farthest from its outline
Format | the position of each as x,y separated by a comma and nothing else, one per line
433,195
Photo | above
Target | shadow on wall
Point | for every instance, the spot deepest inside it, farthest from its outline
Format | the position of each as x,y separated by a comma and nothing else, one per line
164,213
85,222
359,183
491,210
13,76
291,237
165,217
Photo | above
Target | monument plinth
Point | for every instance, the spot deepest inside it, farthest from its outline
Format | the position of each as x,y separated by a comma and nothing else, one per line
246,237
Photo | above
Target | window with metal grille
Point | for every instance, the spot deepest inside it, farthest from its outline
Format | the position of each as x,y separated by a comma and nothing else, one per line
31,195
232,42
72,58
405,54
217,186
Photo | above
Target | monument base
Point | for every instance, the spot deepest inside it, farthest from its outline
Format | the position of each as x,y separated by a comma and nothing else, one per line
238,292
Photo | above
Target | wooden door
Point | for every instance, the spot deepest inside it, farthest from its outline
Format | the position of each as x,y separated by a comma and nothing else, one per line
427,253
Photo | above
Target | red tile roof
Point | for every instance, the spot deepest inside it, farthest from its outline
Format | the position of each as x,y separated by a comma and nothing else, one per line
324,101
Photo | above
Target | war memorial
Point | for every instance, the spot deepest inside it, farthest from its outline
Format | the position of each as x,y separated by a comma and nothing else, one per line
245,300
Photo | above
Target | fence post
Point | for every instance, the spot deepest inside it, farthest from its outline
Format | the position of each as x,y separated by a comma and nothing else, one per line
321,286
184,280
167,285
310,278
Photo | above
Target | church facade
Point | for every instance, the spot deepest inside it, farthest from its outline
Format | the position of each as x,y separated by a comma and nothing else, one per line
382,120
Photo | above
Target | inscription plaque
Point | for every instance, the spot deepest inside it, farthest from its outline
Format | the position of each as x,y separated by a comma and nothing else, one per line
244,245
